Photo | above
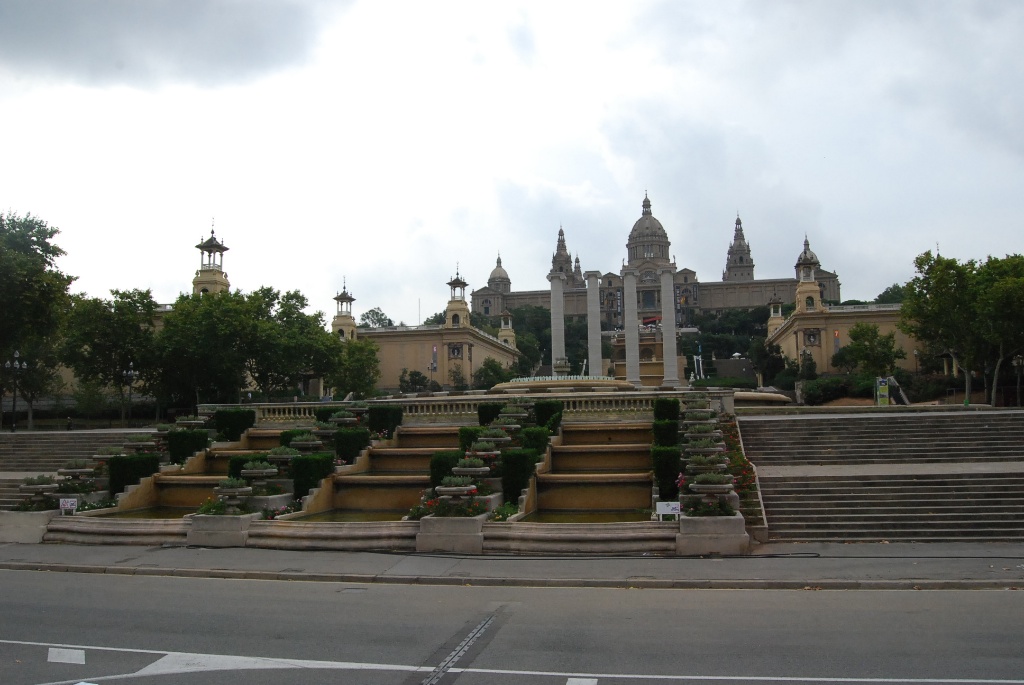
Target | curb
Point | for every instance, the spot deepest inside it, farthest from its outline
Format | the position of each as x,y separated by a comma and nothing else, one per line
609,583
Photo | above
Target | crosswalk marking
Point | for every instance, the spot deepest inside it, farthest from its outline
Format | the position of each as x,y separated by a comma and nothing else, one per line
58,655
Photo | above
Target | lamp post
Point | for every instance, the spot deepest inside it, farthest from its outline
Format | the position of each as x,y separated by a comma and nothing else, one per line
1018,364
18,368
130,375
916,355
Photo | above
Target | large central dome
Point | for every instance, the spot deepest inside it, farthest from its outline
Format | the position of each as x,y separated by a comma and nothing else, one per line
648,240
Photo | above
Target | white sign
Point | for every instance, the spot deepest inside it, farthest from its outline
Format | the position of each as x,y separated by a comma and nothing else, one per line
662,508
68,504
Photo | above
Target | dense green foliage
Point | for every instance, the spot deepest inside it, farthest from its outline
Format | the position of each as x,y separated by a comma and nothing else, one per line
545,409
667,467
233,422
128,469
357,370
288,435
308,470
517,467
182,443
349,442
666,409
488,411
536,438
441,465
468,435
666,432
384,418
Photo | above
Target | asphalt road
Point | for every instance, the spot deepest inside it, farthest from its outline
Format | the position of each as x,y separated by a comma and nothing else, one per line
72,628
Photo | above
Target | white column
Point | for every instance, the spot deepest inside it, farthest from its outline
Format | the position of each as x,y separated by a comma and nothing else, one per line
630,325
558,360
594,323
668,326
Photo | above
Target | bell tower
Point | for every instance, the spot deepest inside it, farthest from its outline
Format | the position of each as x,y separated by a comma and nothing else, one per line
211,277
344,324
457,313
739,265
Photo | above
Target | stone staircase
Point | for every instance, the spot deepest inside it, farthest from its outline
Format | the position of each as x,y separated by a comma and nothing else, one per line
947,476
45,452
598,467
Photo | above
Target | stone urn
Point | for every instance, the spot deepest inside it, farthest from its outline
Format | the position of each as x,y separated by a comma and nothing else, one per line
711,488
38,493
306,445
473,471
455,490
75,474
232,497
257,478
345,420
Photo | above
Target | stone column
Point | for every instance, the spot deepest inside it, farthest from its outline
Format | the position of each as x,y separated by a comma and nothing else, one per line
668,326
630,325
594,323
559,364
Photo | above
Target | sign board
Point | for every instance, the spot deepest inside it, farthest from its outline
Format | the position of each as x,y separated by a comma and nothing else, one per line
68,505
662,508
882,391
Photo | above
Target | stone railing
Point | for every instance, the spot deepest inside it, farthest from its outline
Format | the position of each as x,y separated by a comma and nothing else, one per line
462,409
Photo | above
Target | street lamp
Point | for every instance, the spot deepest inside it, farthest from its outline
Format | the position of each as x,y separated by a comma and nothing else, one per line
18,368
1018,364
916,355
130,376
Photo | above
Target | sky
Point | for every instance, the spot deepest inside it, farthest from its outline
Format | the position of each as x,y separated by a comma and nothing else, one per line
384,145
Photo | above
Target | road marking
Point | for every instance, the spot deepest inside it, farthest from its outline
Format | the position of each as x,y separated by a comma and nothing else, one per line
58,655
581,681
220,661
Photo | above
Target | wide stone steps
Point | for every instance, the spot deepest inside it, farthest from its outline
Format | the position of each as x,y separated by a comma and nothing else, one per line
46,452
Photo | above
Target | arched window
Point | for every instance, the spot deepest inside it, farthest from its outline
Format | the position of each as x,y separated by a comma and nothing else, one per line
455,320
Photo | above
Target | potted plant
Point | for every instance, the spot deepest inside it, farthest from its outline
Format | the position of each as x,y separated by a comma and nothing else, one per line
38,487
482,448
190,421
77,469
473,467
258,469
456,486
705,463
306,442
344,417
232,490
495,435
712,483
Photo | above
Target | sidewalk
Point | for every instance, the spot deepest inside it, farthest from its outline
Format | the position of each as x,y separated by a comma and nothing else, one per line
817,566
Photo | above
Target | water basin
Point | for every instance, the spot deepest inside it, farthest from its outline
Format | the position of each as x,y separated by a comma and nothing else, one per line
349,516
152,513
587,516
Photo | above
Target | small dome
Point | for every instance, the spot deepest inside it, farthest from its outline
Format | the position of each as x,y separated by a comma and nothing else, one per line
498,274
647,227
807,257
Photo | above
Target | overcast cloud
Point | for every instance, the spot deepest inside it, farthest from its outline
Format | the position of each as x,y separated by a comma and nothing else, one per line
389,143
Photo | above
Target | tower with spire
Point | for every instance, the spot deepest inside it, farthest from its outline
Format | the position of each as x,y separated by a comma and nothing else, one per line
739,265
561,260
344,324
211,278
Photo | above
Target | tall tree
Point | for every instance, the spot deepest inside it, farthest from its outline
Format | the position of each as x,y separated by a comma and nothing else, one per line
375,318
870,351
490,373
1000,307
104,337
891,295
358,371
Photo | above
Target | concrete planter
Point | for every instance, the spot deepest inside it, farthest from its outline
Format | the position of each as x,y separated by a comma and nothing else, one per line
474,471
219,531
24,526
711,489
463,535
700,535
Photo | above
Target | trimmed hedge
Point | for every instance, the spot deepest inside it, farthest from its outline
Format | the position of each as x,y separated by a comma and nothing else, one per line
666,433
349,442
129,469
544,410
667,467
182,443
488,411
554,422
324,414
468,435
236,463
536,438
289,435
666,409
309,469
233,422
517,467
441,465
384,418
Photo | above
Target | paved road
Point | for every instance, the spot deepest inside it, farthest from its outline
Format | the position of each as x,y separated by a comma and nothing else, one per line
71,628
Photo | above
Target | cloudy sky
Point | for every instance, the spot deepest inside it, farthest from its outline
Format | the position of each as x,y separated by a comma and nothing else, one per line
386,143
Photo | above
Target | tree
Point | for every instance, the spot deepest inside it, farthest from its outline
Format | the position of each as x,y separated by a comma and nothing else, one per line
35,296
490,373
412,382
103,337
939,308
768,360
457,378
891,295
871,352
375,318
529,353
358,370
1000,307
434,319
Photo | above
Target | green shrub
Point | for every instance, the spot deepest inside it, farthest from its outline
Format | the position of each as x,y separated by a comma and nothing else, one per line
349,442
536,438
785,379
233,422
309,469
517,467
468,435
324,414
182,443
236,463
554,422
456,481
471,463
488,411
289,435
384,418
125,470
441,464
825,389
666,432
666,409
545,409
667,467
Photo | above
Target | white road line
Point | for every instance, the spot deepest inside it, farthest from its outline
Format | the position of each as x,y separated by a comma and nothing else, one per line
58,655
188,662
581,681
